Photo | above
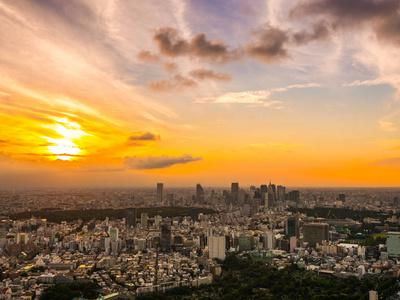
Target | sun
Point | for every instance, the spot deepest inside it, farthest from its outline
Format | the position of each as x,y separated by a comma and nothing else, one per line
65,147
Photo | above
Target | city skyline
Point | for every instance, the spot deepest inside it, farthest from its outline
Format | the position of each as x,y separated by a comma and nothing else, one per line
120,94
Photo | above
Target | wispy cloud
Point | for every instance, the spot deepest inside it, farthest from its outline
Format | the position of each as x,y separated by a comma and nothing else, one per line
393,80
157,162
387,126
253,98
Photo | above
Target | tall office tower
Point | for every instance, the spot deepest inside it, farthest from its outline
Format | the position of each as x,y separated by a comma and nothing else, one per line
143,220
235,191
263,193
341,197
270,200
130,218
199,194
315,233
292,227
160,187
393,244
396,201
294,195
272,187
113,232
281,193
165,240
252,192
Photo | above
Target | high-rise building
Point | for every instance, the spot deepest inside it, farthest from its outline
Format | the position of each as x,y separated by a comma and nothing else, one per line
143,220
235,191
292,227
341,197
160,187
393,244
216,247
263,193
280,193
165,240
113,232
294,195
272,187
199,194
315,233
130,218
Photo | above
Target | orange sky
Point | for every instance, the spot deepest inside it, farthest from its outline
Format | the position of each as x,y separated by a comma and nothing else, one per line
116,93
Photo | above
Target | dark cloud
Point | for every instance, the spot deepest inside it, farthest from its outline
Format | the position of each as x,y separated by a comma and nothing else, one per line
202,74
215,50
382,16
178,82
148,56
269,44
171,44
389,162
319,31
148,136
157,162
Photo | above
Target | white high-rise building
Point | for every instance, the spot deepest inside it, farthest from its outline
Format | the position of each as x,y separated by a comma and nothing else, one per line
216,245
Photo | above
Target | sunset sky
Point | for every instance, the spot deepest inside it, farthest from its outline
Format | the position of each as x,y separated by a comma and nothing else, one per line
111,93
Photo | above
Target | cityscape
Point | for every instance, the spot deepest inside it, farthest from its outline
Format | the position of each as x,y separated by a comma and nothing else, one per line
186,149
133,243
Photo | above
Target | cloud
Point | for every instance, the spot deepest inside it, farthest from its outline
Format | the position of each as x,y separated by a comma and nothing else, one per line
202,74
157,162
387,126
393,80
171,44
148,56
177,83
170,67
253,98
248,97
389,162
319,31
147,136
269,44
381,16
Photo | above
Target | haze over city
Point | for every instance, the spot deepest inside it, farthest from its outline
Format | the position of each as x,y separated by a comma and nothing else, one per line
129,93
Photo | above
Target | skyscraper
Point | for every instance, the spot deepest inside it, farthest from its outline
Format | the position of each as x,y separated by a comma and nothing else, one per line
165,240
281,193
235,191
130,218
199,194
292,227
